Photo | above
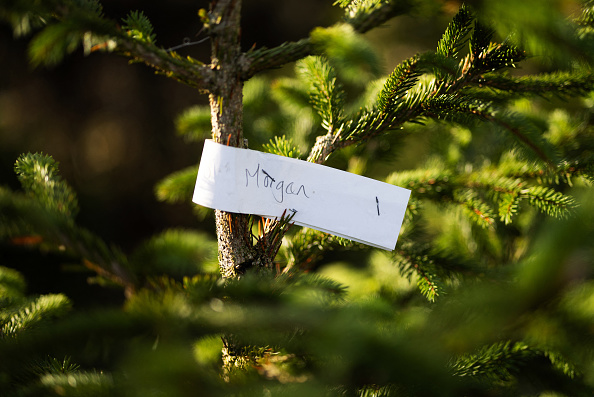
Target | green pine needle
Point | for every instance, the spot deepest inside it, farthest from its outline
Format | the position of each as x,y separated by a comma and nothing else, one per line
549,201
38,174
325,92
465,111
559,84
138,26
456,34
12,284
355,61
428,286
54,43
52,365
481,39
365,14
498,362
282,146
402,79
476,209
177,253
81,383
177,187
33,314
194,124
508,206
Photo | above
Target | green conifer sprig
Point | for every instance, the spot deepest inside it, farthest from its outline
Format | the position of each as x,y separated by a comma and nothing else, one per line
52,365
257,60
456,109
306,248
79,383
456,34
177,187
484,193
360,15
366,14
504,190
12,286
50,47
425,181
284,286
348,52
326,94
38,174
508,206
480,41
67,24
405,98
177,253
382,391
586,17
430,267
428,285
402,79
528,138
282,146
27,15
586,22
499,56
549,201
66,30
558,84
193,124
476,208
502,363
498,362
48,375
21,318
138,26
47,218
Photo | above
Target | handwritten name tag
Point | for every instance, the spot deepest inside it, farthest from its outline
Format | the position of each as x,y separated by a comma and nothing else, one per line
322,198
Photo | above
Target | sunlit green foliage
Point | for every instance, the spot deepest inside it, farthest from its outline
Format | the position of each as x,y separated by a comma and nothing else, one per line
488,292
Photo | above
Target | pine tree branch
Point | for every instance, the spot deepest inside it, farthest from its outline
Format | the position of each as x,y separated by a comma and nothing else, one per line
187,71
22,216
325,92
456,33
32,314
523,138
440,99
255,61
562,84
258,60
364,18
66,25
308,246
498,362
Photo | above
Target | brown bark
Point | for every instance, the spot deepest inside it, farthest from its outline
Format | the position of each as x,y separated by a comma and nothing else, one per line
233,234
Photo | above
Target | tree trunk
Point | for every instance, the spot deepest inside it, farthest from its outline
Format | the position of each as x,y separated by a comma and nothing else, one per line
226,105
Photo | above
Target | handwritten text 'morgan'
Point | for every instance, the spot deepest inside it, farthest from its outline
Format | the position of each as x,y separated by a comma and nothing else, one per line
278,188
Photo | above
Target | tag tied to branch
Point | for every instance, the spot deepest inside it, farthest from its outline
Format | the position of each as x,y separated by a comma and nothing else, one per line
322,198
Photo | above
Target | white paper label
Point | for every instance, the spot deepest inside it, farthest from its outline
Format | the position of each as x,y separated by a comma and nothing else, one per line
323,198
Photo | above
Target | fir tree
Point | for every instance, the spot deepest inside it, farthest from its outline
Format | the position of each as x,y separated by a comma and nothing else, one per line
488,292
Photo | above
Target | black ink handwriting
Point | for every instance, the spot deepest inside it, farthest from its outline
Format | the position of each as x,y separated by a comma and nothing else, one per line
278,189
267,175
